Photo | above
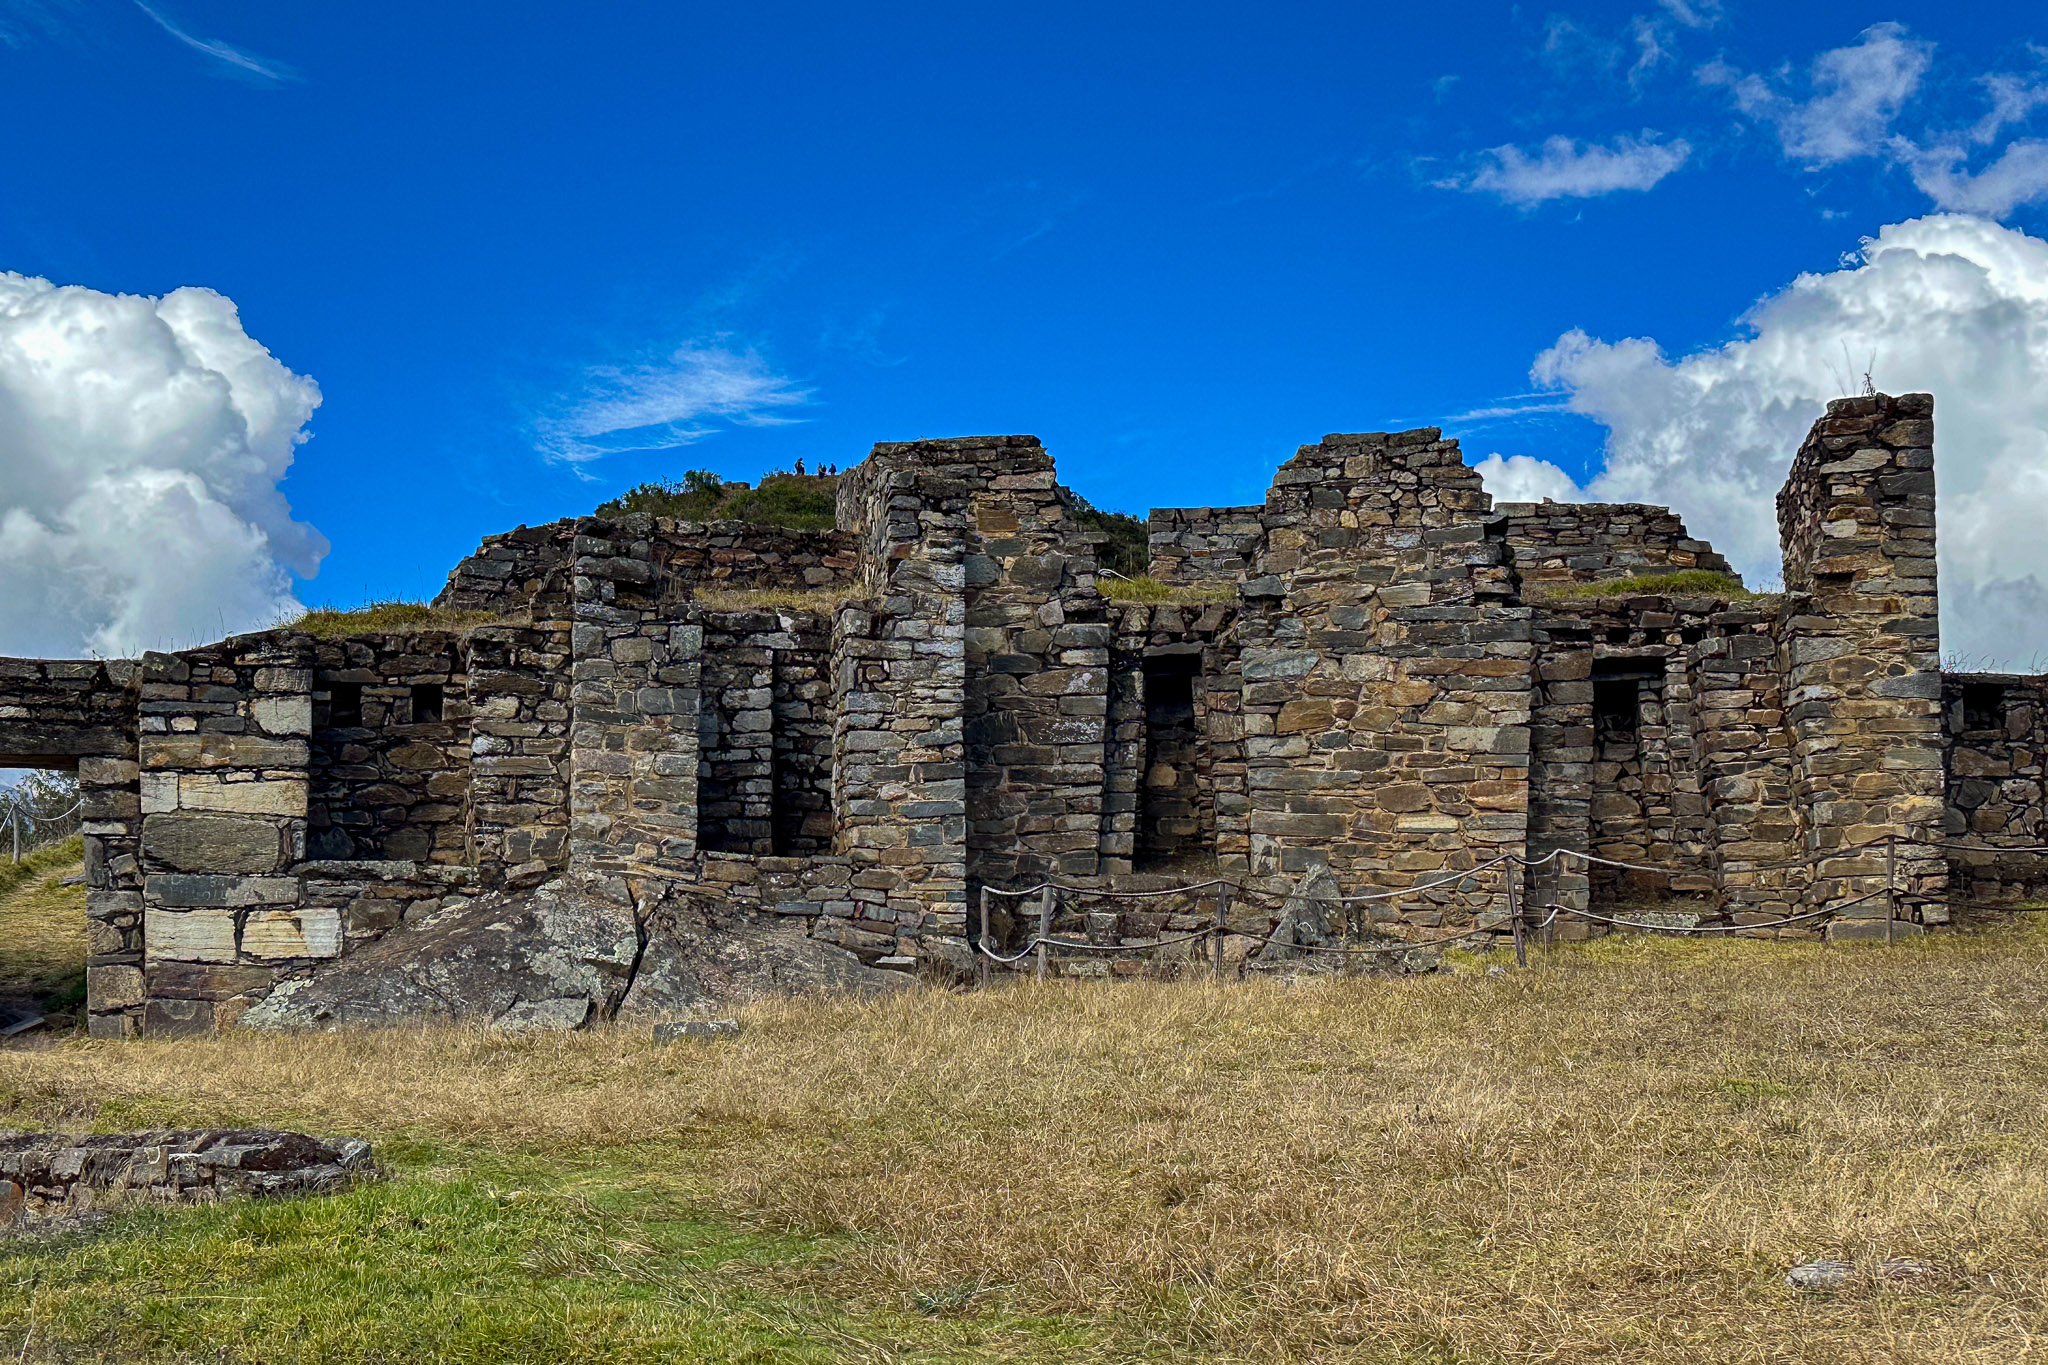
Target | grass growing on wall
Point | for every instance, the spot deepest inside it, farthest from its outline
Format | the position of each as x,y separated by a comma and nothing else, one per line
1615,1156
772,599
42,926
1151,590
381,618
1683,583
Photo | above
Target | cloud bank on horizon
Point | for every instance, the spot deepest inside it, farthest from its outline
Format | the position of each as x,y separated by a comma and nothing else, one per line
1948,304
144,440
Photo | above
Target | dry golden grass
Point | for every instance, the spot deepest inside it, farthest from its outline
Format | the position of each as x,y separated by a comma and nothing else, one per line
1151,591
772,599
1614,1157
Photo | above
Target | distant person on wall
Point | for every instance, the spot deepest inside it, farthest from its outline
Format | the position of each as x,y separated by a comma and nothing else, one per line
799,468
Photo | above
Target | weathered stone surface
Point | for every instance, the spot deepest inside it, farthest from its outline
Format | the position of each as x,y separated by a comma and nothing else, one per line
699,954
559,956
49,1178
213,843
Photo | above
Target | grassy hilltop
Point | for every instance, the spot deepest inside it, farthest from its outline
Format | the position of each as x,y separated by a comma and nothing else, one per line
1615,1156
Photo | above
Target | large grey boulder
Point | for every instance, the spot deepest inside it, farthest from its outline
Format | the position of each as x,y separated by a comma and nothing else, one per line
558,956
700,953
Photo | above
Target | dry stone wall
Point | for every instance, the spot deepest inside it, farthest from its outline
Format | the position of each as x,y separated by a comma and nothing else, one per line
1390,693
1997,725
391,749
1862,658
1386,670
1205,544
1562,543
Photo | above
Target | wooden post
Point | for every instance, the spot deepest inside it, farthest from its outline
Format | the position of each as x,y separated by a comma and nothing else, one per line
1045,905
1222,924
981,948
1515,918
1891,884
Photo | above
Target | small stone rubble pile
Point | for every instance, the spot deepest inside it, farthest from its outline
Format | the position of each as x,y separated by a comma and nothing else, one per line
49,1178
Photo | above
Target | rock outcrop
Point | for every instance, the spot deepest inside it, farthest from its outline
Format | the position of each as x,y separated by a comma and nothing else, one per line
571,952
697,956
558,956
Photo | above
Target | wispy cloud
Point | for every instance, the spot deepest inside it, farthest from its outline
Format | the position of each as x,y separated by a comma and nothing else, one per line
245,64
668,405
22,20
1856,93
1566,169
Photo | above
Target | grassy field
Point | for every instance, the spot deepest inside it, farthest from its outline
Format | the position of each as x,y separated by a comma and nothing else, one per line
42,929
1613,1157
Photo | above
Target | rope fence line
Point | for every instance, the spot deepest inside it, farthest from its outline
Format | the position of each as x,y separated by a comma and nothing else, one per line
1515,921
14,814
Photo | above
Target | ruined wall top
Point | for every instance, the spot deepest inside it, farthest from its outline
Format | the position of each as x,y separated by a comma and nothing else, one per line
1584,542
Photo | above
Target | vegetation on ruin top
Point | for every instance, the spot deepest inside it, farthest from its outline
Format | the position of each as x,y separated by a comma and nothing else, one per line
1151,591
799,502
1616,1155
1128,551
1683,583
42,928
388,618
772,599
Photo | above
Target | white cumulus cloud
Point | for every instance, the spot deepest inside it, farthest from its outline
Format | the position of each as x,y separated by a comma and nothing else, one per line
1524,478
677,402
1952,305
1567,169
143,441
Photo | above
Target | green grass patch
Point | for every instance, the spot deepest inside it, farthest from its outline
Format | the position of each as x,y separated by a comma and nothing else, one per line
479,1258
388,618
1152,591
42,926
1684,583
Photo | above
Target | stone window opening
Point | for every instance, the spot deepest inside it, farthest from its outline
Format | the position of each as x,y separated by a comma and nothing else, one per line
1984,706
344,710
1617,709
428,703
1176,813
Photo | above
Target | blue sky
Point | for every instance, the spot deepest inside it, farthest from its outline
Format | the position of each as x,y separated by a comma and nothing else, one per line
1173,241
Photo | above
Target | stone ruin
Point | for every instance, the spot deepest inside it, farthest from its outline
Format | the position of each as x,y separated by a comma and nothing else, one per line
1382,679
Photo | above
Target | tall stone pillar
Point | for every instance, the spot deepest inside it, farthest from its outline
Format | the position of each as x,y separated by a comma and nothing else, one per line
1862,654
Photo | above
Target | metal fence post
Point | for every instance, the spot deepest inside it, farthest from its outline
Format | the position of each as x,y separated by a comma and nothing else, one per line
981,949
1891,884
1045,905
1222,924
1515,918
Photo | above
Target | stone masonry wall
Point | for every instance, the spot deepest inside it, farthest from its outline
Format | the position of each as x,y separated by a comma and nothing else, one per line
1203,544
899,686
524,572
519,686
1556,543
638,669
1386,671
737,556
391,777
1997,724
1862,656
1037,656
224,759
